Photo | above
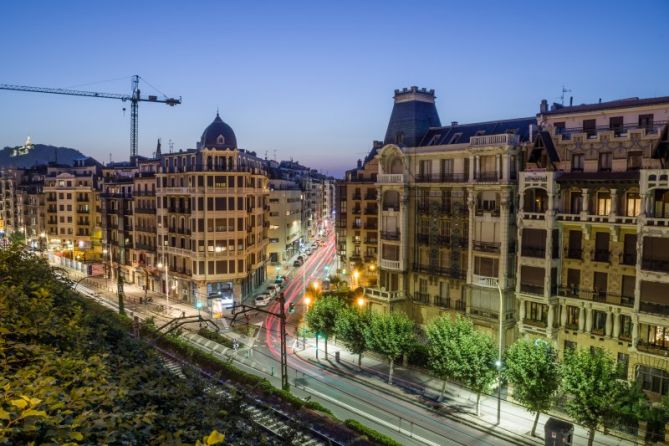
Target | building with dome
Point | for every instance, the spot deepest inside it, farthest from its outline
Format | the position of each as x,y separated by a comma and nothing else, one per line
211,211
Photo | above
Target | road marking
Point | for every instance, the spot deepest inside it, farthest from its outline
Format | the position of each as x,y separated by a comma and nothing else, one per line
371,417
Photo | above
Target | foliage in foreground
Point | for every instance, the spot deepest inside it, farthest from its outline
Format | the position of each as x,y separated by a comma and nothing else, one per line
371,434
70,374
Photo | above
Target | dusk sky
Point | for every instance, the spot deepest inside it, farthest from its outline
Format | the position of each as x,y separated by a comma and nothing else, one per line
312,80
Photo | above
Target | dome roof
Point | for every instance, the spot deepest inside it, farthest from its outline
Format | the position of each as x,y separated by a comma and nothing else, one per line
218,135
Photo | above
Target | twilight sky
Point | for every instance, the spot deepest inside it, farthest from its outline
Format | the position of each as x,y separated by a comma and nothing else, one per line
312,80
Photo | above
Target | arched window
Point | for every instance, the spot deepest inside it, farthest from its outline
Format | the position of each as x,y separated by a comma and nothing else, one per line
220,139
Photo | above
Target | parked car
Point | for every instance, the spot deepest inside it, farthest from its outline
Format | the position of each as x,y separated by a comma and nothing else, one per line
262,299
279,280
273,290
300,258
297,263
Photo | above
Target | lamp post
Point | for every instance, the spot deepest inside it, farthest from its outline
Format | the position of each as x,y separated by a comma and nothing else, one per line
356,276
107,267
307,302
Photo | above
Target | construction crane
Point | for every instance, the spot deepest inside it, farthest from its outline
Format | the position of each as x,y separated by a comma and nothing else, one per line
134,98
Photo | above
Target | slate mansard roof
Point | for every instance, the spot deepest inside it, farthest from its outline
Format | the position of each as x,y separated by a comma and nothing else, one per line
460,133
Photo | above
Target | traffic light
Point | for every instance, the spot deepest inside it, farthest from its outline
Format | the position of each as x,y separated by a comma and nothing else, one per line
291,307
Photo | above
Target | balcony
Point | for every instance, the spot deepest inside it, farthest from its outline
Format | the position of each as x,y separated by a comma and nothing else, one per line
618,131
653,349
494,140
391,178
371,211
532,289
394,236
602,255
384,296
653,308
356,211
442,302
448,177
655,265
493,247
533,251
535,323
356,197
628,258
574,253
145,247
483,211
423,239
487,176
484,281
393,265
422,298
145,210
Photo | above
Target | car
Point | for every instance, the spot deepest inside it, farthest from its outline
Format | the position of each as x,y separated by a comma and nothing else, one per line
273,290
279,280
262,299
297,263
300,258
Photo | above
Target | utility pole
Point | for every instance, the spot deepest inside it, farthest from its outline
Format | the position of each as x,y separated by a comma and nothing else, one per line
284,354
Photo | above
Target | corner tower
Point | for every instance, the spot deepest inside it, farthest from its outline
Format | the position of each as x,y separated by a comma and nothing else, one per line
413,114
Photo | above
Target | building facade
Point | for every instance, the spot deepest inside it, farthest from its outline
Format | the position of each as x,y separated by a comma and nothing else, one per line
285,223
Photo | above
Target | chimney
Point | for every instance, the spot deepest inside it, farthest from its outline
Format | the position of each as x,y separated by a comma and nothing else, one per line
571,101
454,123
543,107
359,164
600,100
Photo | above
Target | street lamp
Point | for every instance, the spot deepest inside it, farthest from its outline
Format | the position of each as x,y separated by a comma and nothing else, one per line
356,276
498,363
360,301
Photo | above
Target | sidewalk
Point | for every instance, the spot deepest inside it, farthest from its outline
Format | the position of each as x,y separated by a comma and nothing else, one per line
420,388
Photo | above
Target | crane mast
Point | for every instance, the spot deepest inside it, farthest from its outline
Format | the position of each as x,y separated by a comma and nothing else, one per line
134,98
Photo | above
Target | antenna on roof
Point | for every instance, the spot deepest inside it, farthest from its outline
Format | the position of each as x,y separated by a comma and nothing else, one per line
171,144
564,90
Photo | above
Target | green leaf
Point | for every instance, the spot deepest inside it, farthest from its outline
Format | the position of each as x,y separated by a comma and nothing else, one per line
34,413
4,415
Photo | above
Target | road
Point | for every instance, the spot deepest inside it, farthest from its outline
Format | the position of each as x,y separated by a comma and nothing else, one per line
408,423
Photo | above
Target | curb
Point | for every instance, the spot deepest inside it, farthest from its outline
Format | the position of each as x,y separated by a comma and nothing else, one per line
488,430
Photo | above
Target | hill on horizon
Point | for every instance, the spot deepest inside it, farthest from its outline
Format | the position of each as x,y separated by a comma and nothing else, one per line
39,154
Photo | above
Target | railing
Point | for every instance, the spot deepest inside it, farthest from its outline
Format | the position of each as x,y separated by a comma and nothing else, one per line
487,176
423,238
574,253
391,178
423,298
489,140
370,196
459,304
660,350
651,128
484,281
493,212
532,289
145,247
390,264
371,226
145,210
533,215
535,323
602,255
533,251
487,246
448,177
393,207
390,235
649,307
356,197
628,258
655,265
386,296
371,211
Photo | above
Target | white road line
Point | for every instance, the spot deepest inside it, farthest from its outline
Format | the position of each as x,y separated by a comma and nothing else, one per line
371,417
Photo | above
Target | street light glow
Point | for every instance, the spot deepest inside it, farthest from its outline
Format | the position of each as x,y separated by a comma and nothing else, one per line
307,300
361,301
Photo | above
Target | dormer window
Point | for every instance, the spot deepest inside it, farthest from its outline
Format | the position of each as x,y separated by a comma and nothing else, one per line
435,140
220,139
399,138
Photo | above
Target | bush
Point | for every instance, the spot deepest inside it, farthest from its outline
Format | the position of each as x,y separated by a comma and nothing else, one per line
215,336
371,434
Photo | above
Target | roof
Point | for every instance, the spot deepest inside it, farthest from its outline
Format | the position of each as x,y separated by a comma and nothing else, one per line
543,141
599,176
460,133
618,103
218,135
411,118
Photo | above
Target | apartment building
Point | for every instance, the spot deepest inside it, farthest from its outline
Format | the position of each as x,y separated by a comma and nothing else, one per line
285,222
357,219
212,217
144,252
73,223
594,237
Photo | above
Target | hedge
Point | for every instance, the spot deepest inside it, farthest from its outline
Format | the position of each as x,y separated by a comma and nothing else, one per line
371,434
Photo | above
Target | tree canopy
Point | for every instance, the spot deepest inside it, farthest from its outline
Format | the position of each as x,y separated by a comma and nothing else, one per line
322,316
350,328
390,334
533,368
71,374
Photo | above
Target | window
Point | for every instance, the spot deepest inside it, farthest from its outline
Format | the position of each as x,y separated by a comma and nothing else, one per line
600,284
616,124
435,140
590,127
646,122
605,162
577,162
446,167
625,327
603,203
653,380
598,322
486,266
634,160
572,317
559,127
455,138
632,204
536,312
576,202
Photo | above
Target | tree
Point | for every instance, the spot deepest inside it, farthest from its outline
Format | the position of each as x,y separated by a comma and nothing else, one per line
392,335
322,316
443,350
350,328
532,367
590,380
457,351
